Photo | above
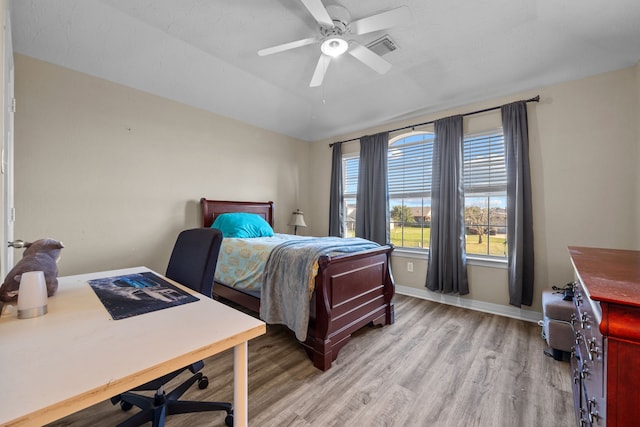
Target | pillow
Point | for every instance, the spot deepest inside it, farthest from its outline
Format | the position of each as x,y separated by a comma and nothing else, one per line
241,224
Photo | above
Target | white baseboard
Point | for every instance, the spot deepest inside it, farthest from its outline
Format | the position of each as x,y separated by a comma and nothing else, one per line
487,307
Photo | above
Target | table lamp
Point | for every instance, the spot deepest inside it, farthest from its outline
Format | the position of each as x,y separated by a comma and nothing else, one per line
297,220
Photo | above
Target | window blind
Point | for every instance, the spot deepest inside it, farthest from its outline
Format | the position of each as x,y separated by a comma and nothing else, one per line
409,167
484,164
350,176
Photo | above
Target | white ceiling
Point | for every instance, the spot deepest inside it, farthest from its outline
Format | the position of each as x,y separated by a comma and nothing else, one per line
451,53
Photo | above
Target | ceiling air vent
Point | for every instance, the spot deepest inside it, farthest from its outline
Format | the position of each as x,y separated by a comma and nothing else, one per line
383,45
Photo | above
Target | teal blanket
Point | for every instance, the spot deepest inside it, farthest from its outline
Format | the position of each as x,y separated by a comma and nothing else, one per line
289,275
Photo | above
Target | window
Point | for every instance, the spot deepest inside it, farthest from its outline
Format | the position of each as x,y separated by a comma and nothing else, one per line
410,160
485,190
350,183
409,180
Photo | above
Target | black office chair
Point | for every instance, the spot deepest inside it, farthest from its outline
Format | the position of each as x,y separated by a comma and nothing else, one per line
193,264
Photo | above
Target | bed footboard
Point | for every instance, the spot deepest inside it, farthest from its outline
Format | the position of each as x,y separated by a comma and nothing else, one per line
351,291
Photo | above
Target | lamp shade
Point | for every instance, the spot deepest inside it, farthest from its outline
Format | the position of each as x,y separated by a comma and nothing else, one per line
297,219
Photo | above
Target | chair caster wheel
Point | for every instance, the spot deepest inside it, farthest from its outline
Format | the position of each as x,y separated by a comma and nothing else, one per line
228,421
125,406
203,383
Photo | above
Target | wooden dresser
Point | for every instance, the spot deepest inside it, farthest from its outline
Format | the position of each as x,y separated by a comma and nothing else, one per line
606,359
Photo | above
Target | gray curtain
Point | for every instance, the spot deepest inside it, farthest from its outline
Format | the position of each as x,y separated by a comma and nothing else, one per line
519,207
447,271
336,207
372,201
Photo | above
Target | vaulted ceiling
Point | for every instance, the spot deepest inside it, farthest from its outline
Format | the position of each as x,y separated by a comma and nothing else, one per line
449,53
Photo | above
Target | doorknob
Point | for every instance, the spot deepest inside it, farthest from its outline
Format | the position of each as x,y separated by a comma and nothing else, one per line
17,244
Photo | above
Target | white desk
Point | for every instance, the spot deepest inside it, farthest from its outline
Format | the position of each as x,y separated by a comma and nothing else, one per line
76,355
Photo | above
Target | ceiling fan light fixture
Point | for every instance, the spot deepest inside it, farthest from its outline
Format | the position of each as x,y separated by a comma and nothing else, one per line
334,46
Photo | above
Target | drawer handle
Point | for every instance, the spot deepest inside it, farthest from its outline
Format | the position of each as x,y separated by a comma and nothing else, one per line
578,338
583,422
594,350
593,412
584,320
584,372
576,376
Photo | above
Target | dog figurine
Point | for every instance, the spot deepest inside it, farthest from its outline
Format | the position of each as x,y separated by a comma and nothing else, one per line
41,255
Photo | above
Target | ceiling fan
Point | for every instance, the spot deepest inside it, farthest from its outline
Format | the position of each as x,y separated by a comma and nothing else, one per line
335,27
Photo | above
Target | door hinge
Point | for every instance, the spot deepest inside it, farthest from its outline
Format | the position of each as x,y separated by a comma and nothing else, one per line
13,105
12,213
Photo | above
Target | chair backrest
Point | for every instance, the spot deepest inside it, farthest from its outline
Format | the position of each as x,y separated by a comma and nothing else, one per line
194,259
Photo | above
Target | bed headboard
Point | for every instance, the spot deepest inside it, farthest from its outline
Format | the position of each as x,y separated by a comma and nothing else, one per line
213,208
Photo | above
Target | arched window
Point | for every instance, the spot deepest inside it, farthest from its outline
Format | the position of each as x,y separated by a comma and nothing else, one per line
409,180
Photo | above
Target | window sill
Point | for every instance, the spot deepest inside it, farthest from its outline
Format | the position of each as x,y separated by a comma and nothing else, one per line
483,261
411,253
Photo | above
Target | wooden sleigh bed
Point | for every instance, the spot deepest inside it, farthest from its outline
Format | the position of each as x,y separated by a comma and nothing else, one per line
351,290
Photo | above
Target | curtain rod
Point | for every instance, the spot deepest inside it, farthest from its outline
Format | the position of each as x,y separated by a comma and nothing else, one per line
534,99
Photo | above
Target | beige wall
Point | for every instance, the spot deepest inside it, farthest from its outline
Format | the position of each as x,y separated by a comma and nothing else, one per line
584,140
116,173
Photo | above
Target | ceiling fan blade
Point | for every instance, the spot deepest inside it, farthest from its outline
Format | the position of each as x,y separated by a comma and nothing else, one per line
287,46
369,58
318,11
381,21
321,70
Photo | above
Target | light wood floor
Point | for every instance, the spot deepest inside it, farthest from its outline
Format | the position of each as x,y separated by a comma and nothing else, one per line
436,366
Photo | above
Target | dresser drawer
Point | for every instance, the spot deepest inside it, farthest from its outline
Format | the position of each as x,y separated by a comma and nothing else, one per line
592,373
578,393
589,367
586,323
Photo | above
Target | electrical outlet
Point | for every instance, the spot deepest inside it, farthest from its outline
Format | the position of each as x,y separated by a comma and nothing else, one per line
410,267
